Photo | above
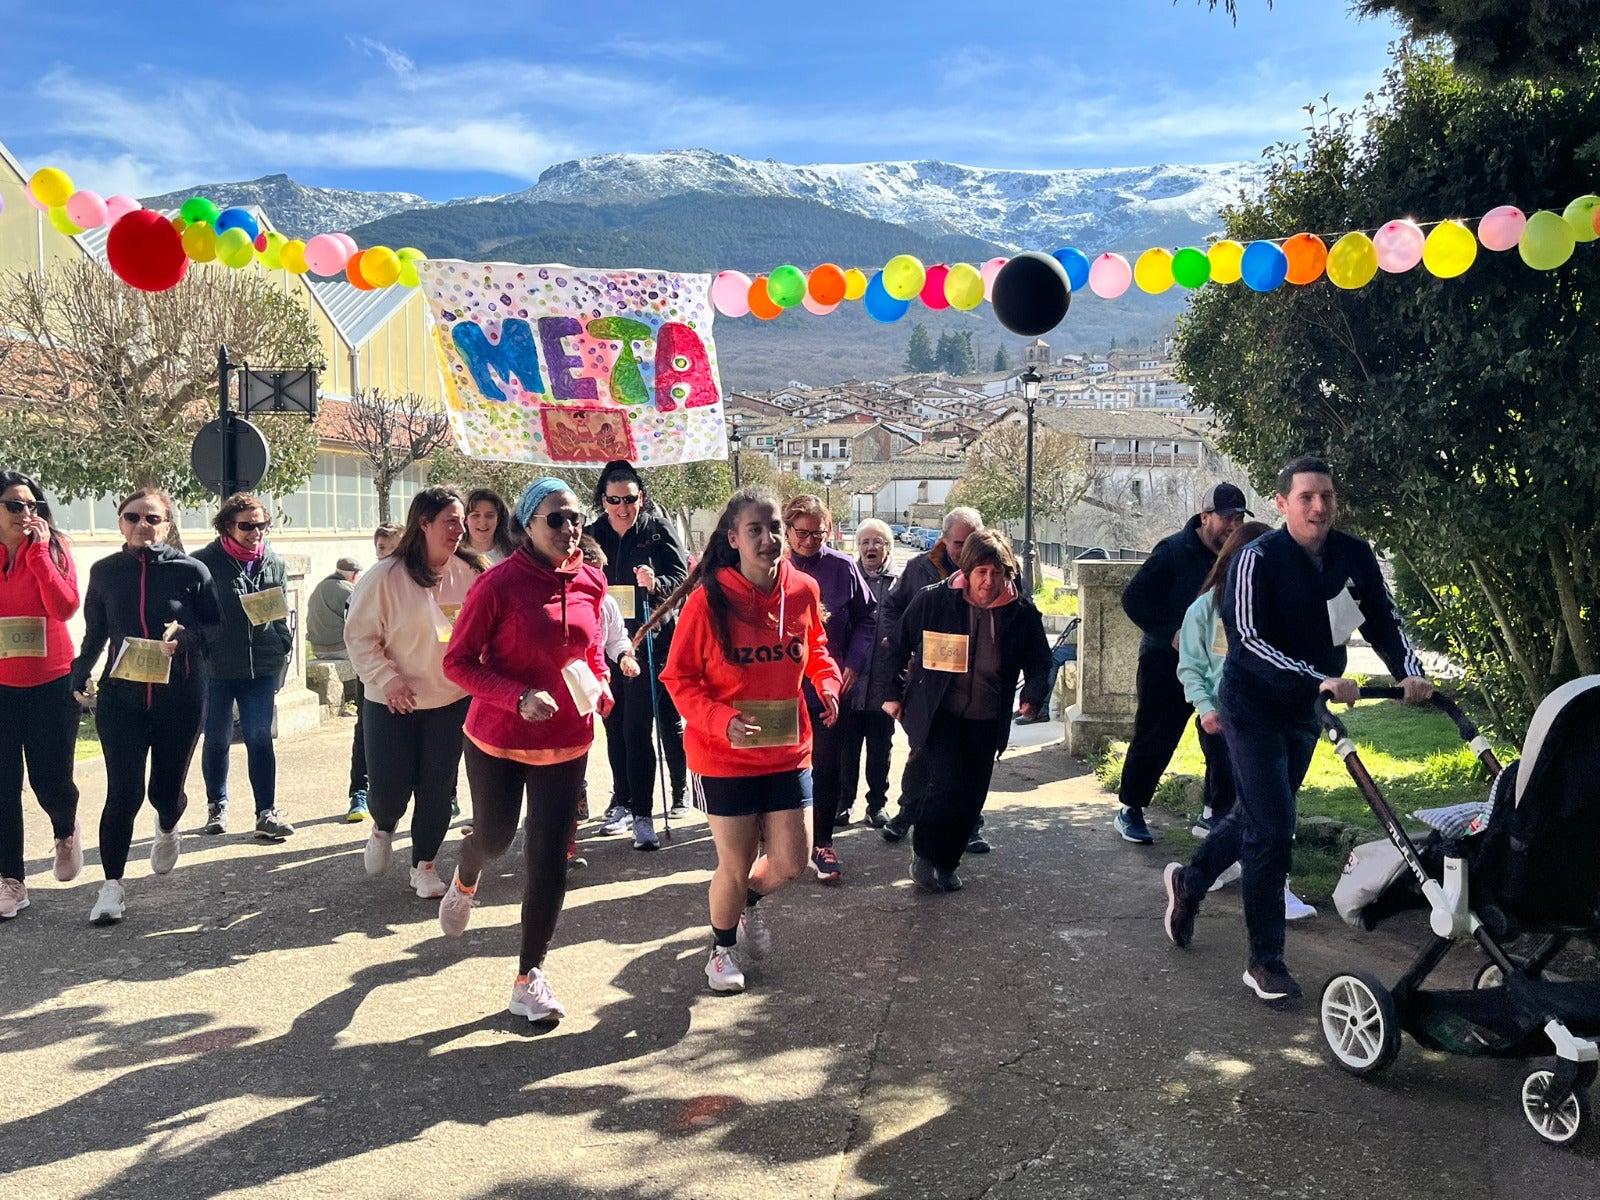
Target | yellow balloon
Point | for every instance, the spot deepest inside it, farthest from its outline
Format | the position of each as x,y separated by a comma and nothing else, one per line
963,287
1449,250
380,266
408,253
235,249
855,284
272,256
293,257
1353,261
200,242
903,276
1153,270
51,186
1226,257
1580,215
59,218
1547,241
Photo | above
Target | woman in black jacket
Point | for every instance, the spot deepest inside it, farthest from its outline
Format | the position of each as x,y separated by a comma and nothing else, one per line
966,641
157,609
246,660
645,563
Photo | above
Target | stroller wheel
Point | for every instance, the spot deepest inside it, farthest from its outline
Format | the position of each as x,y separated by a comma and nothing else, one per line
1489,976
1558,1124
1360,1023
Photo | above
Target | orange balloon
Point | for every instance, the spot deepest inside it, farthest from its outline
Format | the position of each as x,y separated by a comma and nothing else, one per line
1307,257
827,284
352,272
760,303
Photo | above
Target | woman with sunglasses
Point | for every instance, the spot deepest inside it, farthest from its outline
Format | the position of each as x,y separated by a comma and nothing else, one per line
402,617
246,662
645,564
38,593
157,609
528,648
489,525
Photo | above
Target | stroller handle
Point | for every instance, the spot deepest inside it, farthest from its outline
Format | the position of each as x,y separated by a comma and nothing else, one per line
1440,700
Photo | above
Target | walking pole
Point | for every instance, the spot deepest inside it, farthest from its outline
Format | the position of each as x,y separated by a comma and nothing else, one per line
655,723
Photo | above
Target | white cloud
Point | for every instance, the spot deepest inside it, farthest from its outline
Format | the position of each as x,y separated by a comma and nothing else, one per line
397,62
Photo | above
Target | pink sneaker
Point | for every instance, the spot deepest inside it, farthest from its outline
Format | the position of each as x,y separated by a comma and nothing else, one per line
455,910
69,856
532,997
13,898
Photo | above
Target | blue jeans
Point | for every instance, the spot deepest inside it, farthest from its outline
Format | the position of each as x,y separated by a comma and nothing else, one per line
254,697
1059,657
1270,757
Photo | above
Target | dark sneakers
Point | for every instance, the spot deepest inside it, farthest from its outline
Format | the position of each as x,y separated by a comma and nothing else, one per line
895,829
1272,984
875,817
925,875
1130,824
216,819
950,881
977,843
1181,909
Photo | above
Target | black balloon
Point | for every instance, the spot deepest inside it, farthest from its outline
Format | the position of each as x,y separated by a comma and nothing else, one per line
1031,294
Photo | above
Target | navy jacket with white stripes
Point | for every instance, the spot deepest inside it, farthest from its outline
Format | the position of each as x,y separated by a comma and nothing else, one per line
1278,609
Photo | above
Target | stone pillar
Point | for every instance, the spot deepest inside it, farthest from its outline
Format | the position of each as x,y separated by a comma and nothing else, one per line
1108,658
298,710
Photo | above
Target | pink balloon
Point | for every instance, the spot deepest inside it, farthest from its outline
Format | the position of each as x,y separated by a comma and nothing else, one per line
813,307
1399,246
933,287
730,292
28,192
1109,276
326,254
989,270
86,209
1501,228
349,243
118,207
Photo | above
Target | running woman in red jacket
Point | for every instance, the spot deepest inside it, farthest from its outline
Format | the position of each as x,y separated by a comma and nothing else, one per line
750,631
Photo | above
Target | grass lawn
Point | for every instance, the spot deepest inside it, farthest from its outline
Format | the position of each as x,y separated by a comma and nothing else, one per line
88,740
1051,604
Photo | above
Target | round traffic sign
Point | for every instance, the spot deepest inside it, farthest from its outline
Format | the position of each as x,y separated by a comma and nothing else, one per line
245,445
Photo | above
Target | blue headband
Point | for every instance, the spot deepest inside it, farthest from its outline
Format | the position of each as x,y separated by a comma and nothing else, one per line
534,496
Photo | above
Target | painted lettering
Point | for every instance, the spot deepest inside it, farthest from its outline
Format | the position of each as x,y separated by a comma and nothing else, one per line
627,381
683,370
564,384
514,356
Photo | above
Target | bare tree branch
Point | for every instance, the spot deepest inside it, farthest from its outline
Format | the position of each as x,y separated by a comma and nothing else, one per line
392,432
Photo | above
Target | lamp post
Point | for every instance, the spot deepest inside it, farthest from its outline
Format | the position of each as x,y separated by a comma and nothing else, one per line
735,440
1030,396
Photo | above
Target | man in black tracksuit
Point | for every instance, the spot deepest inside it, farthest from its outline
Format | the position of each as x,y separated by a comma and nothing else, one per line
1155,600
1293,598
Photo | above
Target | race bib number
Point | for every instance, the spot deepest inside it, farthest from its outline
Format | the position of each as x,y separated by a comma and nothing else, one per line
1344,616
22,637
944,652
444,619
265,607
1219,641
140,660
779,722
627,598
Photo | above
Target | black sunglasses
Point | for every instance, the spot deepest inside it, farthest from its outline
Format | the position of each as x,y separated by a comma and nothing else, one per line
18,507
616,500
559,520
252,526
148,518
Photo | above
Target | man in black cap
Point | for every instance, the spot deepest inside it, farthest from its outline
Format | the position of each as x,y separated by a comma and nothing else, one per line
1155,600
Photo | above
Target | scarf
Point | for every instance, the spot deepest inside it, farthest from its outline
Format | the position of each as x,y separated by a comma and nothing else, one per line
241,553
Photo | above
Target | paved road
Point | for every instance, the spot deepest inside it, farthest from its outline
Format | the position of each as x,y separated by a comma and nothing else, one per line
270,1023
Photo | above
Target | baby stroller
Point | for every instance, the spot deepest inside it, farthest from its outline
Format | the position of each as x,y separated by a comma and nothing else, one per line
1534,869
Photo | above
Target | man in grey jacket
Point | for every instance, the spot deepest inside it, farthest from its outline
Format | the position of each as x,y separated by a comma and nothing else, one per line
325,610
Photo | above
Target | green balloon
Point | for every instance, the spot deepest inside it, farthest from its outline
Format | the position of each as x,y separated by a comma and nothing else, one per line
1191,268
235,248
1547,241
787,286
198,209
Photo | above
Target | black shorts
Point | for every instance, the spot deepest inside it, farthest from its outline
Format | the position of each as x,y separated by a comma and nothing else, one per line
751,795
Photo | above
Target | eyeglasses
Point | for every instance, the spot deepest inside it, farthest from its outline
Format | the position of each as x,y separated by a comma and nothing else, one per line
252,526
615,501
147,518
809,535
560,520
17,507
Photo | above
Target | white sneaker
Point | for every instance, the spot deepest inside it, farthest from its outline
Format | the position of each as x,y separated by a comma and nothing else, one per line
723,972
532,997
1232,875
13,898
1294,908
455,910
617,821
69,856
110,904
644,834
164,849
379,852
755,939
425,880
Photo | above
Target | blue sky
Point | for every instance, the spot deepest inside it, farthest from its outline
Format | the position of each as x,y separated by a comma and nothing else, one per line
465,97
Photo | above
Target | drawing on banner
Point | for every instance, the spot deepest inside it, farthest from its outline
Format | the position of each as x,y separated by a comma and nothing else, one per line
551,364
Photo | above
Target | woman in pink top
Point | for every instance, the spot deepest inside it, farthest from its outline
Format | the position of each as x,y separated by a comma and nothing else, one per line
38,592
400,621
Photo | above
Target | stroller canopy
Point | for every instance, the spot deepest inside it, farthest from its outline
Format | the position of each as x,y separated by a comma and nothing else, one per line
1569,719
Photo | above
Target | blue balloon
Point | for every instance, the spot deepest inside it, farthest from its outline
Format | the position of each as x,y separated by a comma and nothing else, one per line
880,305
1264,266
238,218
1076,263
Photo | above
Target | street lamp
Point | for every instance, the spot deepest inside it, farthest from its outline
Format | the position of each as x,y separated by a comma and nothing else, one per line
735,440
1030,396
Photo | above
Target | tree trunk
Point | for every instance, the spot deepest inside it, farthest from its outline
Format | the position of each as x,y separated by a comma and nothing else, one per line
382,482
1530,679
1571,611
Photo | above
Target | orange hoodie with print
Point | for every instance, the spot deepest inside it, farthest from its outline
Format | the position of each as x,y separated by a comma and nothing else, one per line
772,660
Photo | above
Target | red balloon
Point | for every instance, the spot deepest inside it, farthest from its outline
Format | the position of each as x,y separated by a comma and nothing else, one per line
352,272
261,241
146,252
933,287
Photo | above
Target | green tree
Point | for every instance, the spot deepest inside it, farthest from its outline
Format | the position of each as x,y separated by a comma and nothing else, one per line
920,357
1458,414
1002,360
994,482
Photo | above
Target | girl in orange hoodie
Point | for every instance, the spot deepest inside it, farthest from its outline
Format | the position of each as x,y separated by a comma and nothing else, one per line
750,630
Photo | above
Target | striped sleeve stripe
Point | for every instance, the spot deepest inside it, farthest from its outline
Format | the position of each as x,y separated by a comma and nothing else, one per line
1245,619
1413,663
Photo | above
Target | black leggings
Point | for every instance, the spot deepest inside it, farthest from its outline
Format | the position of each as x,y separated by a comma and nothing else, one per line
164,734
827,754
629,747
413,754
41,726
553,793
959,761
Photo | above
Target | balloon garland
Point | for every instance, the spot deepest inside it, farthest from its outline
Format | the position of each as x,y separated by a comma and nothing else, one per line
150,252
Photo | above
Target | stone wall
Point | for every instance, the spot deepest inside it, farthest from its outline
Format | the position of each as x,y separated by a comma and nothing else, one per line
1108,658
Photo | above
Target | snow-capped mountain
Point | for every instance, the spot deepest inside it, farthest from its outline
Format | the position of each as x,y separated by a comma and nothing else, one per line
298,210
1103,208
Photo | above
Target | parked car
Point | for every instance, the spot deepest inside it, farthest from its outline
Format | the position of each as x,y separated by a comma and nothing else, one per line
897,530
929,538
912,536
1096,552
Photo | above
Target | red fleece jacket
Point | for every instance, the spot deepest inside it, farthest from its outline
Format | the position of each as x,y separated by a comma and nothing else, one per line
34,586
706,686
520,624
